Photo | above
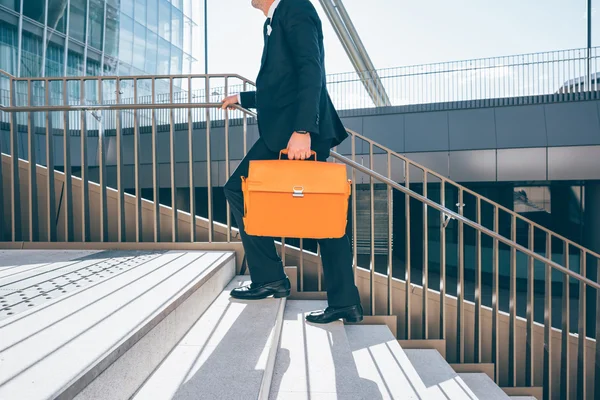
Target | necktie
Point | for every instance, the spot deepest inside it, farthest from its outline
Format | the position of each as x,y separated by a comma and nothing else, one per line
267,23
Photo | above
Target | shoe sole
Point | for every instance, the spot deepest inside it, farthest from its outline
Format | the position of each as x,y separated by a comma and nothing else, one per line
279,295
346,320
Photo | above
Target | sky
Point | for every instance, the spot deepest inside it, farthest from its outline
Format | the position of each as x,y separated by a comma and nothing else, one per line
405,32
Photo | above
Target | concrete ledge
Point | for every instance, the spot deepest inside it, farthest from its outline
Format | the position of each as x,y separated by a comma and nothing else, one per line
389,320
484,368
432,344
483,386
535,392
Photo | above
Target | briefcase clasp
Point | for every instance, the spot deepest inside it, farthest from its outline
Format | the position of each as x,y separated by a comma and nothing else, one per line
298,191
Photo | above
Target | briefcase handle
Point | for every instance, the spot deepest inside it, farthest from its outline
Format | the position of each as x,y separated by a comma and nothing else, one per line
312,153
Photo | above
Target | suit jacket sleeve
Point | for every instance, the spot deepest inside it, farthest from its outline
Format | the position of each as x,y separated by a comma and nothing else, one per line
248,99
301,31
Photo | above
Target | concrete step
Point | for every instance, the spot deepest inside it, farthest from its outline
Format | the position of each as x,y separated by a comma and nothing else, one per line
107,323
483,386
229,353
316,361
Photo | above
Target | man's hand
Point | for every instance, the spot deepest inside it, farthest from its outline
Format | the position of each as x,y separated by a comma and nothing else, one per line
299,146
230,102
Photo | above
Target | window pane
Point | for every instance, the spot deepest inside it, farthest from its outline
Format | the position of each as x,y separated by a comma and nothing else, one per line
187,8
111,47
177,3
127,7
77,20
164,24
34,9
93,67
31,55
8,48
57,17
96,18
151,52
126,40
164,57
187,35
139,46
54,60
140,11
74,64
177,28
176,59
11,4
152,15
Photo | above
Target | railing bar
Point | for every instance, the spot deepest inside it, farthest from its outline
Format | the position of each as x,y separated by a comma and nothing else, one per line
548,379
597,357
85,209
136,165
102,171
478,294
354,222
512,309
191,167
319,269
372,233
407,288
245,125
155,166
16,217
565,355
31,153
174,216
283,251
120,187
425,314
209,166
442,262
460,289
582,333
529,360
68,203
390,230
227,167
51,210
496,300
300,274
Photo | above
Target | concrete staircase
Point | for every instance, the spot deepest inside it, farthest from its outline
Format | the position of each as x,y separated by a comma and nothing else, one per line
161,325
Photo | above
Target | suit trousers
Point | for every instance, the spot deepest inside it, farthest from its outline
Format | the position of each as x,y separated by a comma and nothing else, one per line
263,261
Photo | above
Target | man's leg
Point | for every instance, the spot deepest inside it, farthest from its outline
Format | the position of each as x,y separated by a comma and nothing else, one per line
336,255
263,261
342,294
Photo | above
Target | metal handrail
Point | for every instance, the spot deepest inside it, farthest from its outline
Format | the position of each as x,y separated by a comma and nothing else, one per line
471,192
463,219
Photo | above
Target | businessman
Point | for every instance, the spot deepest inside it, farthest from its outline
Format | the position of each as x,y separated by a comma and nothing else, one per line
294,113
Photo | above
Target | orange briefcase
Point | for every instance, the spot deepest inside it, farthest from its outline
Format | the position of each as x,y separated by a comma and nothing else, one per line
296,199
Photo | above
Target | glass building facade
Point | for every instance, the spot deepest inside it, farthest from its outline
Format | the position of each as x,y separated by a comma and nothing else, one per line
51,38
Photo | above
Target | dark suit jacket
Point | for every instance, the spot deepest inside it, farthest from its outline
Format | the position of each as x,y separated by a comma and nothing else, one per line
291,92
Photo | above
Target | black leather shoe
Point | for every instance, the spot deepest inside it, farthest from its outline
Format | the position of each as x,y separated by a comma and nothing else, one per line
330,314
277,289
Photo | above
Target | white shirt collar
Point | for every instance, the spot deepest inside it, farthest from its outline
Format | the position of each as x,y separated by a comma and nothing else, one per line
272,9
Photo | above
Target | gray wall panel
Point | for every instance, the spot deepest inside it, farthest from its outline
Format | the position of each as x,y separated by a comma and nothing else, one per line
522,126
473,166
522,164
437,162
387,130
426,132
472,129
565,163
573,124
